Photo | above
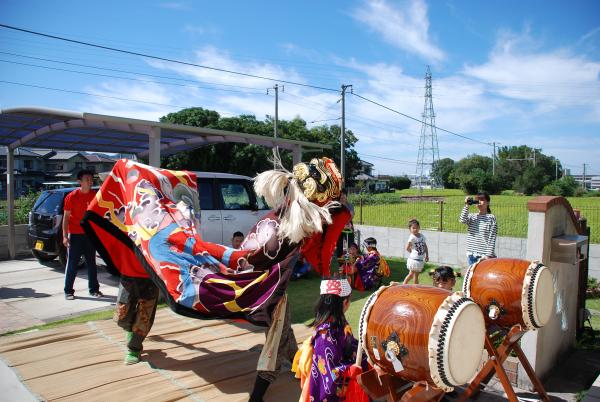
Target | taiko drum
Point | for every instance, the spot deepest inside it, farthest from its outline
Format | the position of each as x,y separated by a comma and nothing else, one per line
511,291
422,333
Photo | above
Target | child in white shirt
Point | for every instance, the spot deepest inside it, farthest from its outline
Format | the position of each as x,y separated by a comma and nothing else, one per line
419,254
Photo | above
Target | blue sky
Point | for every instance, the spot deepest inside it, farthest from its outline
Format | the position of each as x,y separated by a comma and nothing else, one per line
509,72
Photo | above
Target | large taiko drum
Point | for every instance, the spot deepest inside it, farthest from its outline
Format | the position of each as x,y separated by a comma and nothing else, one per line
511,291
422,333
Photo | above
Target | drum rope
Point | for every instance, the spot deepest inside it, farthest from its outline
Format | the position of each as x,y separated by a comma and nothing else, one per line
442,338
531,276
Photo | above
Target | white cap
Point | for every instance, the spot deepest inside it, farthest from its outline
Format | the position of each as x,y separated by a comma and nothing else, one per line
339,287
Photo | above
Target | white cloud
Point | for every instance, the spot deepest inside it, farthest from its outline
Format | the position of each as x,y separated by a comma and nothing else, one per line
405,26
176,5
147,101
548,80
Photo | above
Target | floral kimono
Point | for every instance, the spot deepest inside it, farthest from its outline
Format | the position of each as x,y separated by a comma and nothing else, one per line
323,363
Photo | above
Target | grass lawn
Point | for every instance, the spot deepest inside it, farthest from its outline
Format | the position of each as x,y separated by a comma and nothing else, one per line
510,210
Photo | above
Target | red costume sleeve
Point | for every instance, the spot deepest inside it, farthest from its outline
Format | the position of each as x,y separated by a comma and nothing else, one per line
318,249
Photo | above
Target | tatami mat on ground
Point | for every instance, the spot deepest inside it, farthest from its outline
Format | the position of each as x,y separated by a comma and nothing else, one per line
184,359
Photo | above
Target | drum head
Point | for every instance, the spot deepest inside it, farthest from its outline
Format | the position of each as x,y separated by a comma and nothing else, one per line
466,339
544,297
456,342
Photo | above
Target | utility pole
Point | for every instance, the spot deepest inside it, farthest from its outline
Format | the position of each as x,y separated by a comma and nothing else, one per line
343,133
584,186
556,168
276,148
533,157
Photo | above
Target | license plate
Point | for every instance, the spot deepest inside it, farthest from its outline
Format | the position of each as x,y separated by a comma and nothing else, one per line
39,245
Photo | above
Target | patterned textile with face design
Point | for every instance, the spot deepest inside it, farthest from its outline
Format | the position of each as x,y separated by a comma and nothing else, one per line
145,221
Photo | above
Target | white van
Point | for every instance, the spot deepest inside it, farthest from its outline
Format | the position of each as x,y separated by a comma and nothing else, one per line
228,204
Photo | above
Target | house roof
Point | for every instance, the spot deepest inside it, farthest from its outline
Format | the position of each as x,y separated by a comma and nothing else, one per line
98,158
63,155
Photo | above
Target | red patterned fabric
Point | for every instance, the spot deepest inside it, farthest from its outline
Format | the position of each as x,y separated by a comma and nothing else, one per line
144,222
318,249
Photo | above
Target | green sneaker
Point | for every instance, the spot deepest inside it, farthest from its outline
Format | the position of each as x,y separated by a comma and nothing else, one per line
128,336
132,357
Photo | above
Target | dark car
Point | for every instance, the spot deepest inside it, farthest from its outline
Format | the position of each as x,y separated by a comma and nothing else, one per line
44,233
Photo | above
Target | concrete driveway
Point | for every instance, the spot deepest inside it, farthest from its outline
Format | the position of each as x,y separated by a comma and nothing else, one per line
32,293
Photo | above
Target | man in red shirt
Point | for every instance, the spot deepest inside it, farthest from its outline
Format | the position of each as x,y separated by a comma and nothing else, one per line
74,238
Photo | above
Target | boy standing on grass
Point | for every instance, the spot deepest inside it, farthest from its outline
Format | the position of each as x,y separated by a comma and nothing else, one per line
419,253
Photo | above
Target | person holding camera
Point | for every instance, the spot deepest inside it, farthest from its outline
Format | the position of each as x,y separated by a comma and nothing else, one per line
481,228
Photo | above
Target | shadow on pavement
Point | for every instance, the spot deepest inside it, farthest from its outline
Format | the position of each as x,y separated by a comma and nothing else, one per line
20,293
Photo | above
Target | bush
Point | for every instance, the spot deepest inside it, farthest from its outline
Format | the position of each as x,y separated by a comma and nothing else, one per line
593,193
23,206
580,192
400,182
552,189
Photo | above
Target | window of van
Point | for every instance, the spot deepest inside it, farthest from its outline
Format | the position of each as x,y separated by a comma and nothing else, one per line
205,192
235,196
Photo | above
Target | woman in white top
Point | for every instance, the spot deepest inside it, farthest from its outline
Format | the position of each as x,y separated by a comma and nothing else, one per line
481,227
419,254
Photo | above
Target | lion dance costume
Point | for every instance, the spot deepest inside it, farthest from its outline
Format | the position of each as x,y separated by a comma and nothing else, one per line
147,219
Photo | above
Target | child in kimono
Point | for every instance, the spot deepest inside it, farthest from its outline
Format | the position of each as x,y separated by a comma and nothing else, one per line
324,361
371,268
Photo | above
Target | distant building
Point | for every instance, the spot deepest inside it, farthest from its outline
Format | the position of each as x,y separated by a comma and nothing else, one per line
592,182
34,167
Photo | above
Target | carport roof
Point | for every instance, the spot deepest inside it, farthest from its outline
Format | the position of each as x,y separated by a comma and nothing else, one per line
67,130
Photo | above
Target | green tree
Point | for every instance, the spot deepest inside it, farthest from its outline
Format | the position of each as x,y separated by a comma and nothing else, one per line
517,169
564,186
441,172
474,174
251,159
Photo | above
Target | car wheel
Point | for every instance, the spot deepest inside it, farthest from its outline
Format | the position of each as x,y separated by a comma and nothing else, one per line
42,257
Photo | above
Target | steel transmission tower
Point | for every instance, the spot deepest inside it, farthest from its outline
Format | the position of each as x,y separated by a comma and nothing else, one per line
429,151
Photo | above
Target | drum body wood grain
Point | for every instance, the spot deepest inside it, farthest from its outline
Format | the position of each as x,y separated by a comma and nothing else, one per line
422,333
511,291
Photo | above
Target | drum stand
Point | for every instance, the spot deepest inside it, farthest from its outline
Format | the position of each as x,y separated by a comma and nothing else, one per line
494,364
396,389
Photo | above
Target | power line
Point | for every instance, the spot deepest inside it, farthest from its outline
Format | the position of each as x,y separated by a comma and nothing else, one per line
90,94
320,121
126,71
389,159
149,56
127,78
417,120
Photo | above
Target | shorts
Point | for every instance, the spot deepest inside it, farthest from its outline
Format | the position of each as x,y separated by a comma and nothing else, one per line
415,265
